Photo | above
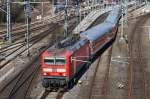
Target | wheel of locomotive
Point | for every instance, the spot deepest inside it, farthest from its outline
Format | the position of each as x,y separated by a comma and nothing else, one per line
45,83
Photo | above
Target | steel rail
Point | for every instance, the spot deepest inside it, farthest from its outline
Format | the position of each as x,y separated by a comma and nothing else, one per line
35,40
93,78
17,86
105,79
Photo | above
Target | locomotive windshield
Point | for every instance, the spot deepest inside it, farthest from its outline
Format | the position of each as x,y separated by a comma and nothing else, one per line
60,61
49,61
54,61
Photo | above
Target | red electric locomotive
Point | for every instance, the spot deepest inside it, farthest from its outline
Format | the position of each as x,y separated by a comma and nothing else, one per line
59,66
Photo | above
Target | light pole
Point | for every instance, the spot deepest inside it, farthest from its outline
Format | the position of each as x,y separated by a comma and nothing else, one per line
122,23
126,12
66,19
146,2
78,11
8,36
28,21
123,37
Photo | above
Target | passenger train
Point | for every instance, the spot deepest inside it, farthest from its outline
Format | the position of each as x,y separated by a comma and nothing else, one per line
60,64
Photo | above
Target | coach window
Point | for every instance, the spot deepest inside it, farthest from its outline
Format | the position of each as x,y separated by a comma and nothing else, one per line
49,61
60,61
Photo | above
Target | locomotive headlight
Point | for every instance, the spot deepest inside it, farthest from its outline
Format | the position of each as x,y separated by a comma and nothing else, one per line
47,70
53,70
64,74
44,73
61,70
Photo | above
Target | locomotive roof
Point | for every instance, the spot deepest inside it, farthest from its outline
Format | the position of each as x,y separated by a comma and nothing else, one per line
53,51
59,48
78,44
97,31
68,46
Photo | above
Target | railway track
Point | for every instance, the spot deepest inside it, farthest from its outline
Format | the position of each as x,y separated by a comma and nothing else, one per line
24,80
49,94
137,66
19,27
36,25
19,34
33,41
20,31
99,81
21,40
9,50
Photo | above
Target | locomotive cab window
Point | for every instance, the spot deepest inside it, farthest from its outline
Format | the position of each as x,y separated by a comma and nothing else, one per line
60,61
49,61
